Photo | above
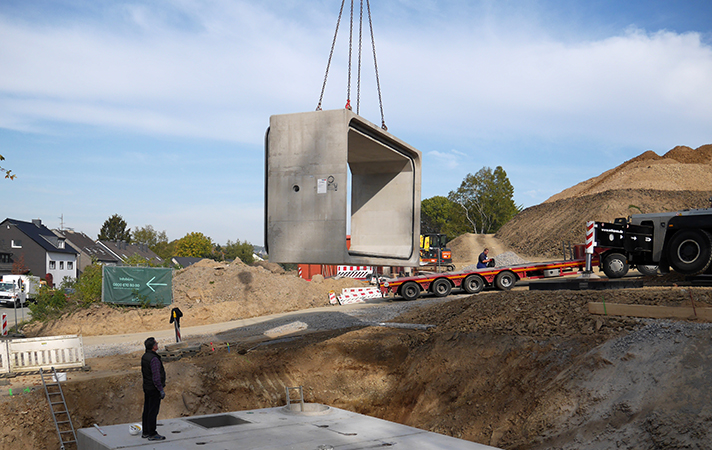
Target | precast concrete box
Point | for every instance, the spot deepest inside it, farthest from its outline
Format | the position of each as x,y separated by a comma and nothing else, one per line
333,173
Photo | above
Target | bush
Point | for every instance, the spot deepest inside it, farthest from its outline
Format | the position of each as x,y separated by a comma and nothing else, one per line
49,304
87,288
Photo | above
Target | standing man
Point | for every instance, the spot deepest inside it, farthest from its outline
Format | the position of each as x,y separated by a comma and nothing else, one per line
154,381
482,260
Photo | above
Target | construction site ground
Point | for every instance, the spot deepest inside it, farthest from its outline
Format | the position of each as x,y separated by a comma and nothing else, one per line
517,370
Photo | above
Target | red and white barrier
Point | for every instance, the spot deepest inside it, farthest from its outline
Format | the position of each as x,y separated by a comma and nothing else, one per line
589,237
357,272
358,295
332,298
4,324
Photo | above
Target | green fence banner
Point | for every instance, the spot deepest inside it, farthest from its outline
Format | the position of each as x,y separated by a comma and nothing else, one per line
125,285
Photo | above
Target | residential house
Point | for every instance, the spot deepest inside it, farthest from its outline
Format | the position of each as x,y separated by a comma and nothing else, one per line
122,250
43,252
89,250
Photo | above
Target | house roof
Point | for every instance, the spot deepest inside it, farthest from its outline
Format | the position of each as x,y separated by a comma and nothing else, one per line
125,250
85,244
42,235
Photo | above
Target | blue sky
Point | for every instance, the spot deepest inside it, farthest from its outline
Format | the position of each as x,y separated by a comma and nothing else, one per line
156,110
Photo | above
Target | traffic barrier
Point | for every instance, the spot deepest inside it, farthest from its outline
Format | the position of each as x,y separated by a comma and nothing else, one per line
4,359
60,352
357,272
4,324
358,295
589,237
332,298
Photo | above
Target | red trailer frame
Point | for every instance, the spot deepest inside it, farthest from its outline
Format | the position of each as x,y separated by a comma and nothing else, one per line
473,281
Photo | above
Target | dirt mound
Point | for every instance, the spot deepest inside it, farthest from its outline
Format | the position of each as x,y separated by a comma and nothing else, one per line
206,292
525,370
466,247
680,169
681,179
686,155
541,229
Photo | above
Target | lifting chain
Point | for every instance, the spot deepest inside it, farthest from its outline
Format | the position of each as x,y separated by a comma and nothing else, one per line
358,74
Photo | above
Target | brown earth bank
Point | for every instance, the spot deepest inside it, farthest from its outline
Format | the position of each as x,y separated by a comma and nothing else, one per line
517,370
541,229
648,183
206,292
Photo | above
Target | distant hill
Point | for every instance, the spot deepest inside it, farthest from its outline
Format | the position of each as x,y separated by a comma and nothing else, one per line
680,179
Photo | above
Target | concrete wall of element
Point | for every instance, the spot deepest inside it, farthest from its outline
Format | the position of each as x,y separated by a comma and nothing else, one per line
332,173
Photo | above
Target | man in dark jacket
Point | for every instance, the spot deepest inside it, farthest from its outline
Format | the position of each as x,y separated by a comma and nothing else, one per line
154,381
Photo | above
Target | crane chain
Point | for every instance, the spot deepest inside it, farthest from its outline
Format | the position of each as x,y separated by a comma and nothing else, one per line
331,54
358,76
375,65
360,45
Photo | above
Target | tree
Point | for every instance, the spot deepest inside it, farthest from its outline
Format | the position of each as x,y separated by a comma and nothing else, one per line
486,200
147,235
195,245
441,215
242,250
19,267
114,229
8,173
166,250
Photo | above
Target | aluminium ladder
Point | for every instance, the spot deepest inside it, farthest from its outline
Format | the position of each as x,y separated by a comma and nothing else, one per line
58,408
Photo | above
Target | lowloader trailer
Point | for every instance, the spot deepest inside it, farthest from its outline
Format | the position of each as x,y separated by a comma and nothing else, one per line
473,281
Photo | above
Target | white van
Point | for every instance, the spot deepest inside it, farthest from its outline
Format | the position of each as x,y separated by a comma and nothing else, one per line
12,286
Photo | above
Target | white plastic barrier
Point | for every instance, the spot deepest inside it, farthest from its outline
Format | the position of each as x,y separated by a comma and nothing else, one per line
4,359
358,295
60,352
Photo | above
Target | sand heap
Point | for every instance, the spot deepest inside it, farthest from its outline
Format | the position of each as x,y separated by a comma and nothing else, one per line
206,292
680,179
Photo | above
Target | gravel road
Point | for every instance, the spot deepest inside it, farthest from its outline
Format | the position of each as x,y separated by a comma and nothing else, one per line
263,329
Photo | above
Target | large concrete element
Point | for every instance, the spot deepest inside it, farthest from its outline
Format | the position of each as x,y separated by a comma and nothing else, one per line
317,427
318,165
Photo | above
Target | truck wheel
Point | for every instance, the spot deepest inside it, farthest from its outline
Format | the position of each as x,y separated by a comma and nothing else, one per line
504,281
441,287
648,270
473,284
690,251
615,265
410,290
451,267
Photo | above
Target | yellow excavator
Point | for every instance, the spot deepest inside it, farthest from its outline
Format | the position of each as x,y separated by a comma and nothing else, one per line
434,254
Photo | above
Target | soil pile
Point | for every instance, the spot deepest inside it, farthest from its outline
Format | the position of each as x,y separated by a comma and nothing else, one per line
517,370
467,247
681,179
206,292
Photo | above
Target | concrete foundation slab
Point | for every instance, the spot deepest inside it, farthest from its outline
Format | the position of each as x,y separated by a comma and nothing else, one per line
333,173
319,427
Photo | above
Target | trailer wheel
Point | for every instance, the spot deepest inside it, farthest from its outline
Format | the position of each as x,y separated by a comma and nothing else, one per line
441,287
473,284
690,251
504,281
615,265
648,270
410,290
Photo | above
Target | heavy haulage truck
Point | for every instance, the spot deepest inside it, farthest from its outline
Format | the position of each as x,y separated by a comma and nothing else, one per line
681,240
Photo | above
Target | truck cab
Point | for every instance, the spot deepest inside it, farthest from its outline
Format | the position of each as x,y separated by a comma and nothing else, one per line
681,240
